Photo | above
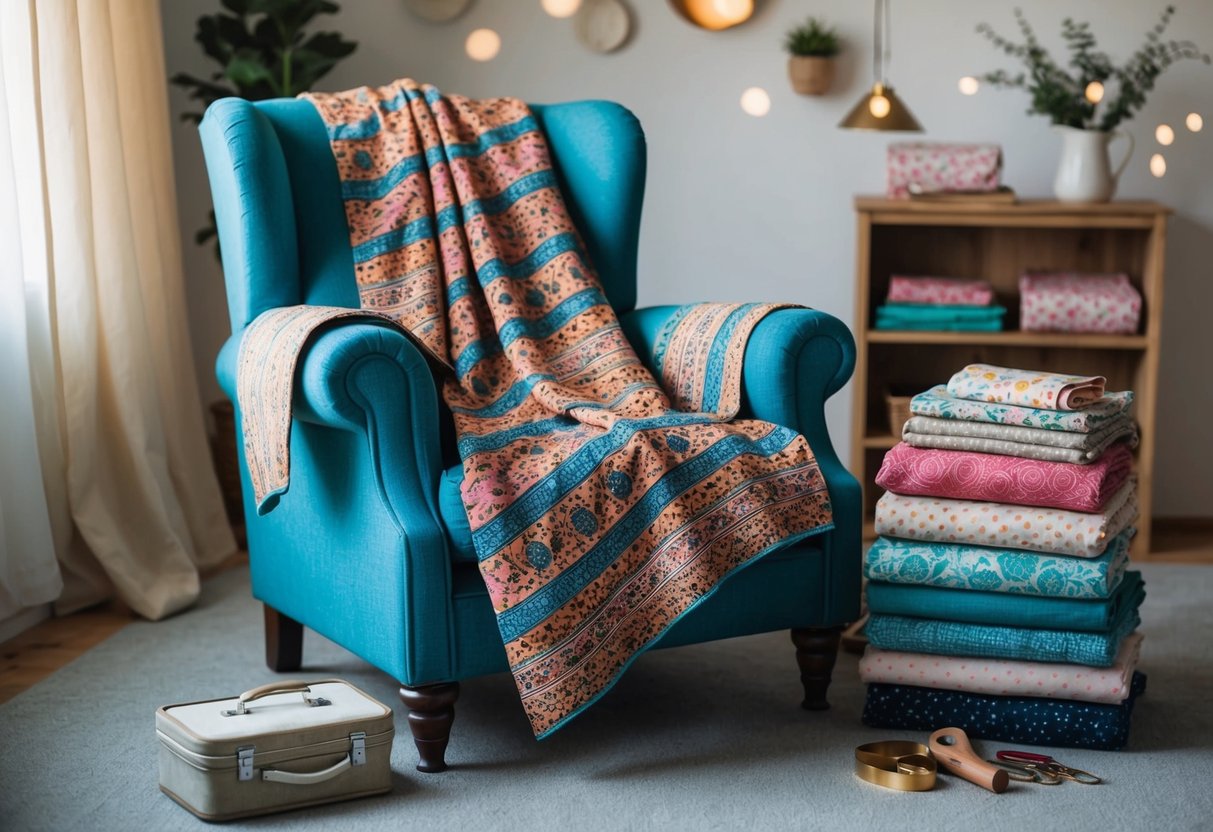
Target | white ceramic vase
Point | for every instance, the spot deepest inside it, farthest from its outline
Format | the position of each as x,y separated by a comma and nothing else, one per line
1084,173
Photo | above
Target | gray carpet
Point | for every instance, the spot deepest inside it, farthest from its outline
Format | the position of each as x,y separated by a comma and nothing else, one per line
705,737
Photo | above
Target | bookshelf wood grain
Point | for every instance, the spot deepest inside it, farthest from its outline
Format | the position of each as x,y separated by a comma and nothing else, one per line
998,243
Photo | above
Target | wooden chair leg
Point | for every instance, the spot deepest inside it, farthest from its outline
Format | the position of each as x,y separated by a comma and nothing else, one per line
431,713
816,650
283,641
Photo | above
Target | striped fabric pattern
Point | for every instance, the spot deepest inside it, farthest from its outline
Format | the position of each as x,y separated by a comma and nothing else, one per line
600,512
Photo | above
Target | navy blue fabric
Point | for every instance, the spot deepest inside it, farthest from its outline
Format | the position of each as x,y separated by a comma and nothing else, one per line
1028,720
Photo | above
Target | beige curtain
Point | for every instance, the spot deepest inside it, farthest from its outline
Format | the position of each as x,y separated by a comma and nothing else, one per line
133,504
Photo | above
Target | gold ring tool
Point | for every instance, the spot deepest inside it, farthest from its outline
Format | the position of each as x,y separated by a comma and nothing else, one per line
896,764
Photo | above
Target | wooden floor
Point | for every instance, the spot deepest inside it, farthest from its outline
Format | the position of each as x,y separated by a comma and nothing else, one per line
46,647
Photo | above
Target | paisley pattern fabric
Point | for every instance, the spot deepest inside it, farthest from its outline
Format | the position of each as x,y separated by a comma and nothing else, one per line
986,569
939,291
994,641
1005,677
939,403
1026,388
600,514
1050,530
1056,723
1095,615
699,351
1028,482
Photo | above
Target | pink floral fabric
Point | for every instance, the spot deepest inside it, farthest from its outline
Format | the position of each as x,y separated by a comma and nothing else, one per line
1070,302
940,291
1007,479
935,167
1001,677
1026,388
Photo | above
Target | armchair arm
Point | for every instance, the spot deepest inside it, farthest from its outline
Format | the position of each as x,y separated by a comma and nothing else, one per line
362,508
795,360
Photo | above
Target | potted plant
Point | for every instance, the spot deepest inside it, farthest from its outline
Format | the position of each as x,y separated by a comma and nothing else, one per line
811,47
1088,103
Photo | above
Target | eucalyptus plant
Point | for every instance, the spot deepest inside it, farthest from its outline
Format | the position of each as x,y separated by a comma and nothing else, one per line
1064,95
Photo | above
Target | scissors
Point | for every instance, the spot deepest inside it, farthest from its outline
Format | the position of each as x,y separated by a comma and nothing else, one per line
1041,768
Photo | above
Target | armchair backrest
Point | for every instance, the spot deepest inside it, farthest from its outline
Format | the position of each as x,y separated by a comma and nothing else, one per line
282,224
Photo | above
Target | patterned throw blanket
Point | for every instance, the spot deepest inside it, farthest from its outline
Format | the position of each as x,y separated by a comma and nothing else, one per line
601,508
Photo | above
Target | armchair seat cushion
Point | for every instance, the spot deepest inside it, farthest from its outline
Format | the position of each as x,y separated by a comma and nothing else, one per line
454,516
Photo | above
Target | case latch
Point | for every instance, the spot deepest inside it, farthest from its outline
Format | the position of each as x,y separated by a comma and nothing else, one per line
358,748
244,762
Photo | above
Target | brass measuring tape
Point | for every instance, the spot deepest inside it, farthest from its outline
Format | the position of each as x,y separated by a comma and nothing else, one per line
897,764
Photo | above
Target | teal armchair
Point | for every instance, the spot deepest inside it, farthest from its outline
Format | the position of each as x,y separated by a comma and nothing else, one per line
371,547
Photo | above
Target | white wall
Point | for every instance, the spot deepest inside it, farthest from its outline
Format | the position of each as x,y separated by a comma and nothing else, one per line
760,209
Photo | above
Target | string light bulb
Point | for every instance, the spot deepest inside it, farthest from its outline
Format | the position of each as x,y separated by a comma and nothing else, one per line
968,85
561,8
1158,166
483,45
1164,135
1094,92
1194,122
756,102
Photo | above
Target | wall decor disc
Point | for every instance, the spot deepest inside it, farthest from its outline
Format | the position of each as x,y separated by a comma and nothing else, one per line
603,25
437,11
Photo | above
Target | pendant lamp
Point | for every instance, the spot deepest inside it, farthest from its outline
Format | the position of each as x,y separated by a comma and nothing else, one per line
881,109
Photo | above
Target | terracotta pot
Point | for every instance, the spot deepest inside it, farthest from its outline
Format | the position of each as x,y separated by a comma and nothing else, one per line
811,74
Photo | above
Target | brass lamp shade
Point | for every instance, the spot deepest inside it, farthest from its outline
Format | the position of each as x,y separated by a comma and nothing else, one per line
881,109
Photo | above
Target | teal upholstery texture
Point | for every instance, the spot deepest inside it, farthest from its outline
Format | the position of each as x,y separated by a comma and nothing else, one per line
370,546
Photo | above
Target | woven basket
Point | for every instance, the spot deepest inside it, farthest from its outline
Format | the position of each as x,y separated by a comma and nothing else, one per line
899,411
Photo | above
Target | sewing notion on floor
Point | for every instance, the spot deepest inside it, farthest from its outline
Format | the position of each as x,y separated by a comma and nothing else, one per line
596,414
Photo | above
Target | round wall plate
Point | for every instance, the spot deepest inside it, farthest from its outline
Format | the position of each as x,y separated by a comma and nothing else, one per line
602,25
437,11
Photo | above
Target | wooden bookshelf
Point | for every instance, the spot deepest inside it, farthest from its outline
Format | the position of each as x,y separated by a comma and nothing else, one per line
998,243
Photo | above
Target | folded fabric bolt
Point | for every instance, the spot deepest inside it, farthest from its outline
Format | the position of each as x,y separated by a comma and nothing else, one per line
980,476
1026,388
1057,723
1047,453
995,641
1091,444
939,403
1051,530
914,316
986,569
1007,608
1070,302
1005,677
939,291
940,167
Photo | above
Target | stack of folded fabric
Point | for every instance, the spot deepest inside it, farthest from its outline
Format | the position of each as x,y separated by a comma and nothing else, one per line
998,591
940,303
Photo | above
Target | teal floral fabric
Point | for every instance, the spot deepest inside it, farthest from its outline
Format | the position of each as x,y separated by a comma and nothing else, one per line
988,569
939,403
1029,644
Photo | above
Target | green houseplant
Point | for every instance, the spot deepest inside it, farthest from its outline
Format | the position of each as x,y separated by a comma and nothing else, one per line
1089,100
262,51
811,48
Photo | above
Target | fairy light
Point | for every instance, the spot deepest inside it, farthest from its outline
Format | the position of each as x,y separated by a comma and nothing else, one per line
756,102
483,45
1094,92
968,85
561,8
1194,122
1158,165
1164,135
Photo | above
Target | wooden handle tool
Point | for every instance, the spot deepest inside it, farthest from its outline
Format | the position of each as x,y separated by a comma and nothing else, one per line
955,755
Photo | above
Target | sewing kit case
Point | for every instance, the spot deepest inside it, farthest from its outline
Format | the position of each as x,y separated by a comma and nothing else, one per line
281,746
